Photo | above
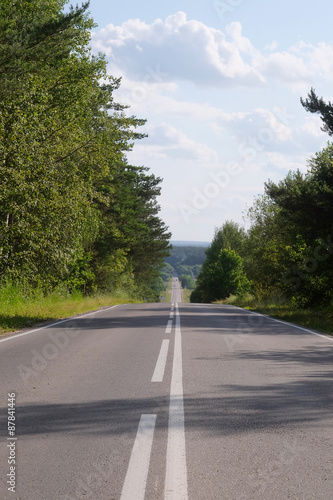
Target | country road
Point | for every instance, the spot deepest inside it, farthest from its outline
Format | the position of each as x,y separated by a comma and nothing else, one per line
176,290
167,401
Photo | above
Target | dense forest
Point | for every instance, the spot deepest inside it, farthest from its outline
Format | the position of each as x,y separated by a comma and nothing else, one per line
73,212
288,250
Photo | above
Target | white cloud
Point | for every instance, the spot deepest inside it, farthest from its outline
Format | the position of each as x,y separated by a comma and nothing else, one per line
190,81
272,46
262,129
189,50
312,127
186,50
165,141
275,131
284,162
286,67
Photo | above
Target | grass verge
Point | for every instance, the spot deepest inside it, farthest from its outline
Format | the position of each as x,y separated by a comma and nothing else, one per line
186,294
320,320
21,310
166,294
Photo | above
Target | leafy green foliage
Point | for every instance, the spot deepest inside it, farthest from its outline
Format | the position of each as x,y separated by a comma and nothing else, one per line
187,281
71,209
288,251
223,271
167,272
305,204
186,260
289,244
317,105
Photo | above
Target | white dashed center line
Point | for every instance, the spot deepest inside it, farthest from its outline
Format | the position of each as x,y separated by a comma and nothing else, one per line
161,362
176,469
137,472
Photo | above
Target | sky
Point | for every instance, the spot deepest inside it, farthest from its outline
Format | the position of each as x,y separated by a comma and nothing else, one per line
219,83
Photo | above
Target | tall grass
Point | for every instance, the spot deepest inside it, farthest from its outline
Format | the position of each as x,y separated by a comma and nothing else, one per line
21,306
186,294
165,296
320,319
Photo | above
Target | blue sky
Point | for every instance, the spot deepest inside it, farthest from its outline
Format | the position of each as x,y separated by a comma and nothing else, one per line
219,83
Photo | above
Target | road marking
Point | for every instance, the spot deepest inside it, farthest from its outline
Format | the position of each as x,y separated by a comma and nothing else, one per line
287,324
176,469
57,323
169,326
171,314
138,467
161,362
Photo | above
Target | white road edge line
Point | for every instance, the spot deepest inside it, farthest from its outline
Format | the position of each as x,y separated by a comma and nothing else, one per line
11,337
176,468
138,467
169,326
161,362
312,332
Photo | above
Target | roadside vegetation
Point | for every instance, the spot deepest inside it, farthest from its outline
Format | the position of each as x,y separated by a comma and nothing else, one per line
75,216
285,259
166,292
186,294
19,309
320,319
184,261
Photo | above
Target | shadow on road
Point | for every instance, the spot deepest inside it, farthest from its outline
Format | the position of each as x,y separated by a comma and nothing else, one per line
226,410
18,322
300,397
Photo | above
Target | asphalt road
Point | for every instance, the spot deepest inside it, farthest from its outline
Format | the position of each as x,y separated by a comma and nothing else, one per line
176,291
172,402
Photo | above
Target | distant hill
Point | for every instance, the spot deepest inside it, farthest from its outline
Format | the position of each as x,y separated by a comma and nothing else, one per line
190,243
185,260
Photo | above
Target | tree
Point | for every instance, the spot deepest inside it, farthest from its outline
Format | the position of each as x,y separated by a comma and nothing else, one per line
317,105
132,231
305,205
50,100
267,256
71,208
167,272
187,281
222,272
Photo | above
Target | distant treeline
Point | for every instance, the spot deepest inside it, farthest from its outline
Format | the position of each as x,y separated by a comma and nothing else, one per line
73,212
185,262
288,250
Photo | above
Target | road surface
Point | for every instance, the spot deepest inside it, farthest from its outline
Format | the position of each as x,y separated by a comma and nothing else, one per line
167,401
176,290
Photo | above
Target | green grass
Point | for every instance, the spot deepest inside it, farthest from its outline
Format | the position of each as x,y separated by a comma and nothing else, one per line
315,319
20,309
166,295
186,294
